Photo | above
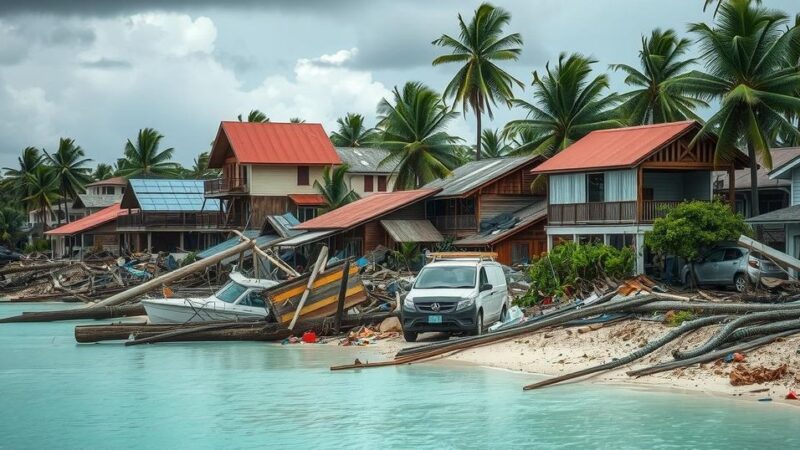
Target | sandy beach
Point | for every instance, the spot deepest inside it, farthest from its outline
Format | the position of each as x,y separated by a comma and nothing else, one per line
561,351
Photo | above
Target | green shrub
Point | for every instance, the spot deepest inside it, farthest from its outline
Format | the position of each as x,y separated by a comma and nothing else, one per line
678,318
555,274
39,245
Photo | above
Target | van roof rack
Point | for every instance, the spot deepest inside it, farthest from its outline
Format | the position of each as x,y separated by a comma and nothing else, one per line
443,256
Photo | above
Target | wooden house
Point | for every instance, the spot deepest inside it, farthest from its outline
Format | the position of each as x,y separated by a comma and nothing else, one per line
97,230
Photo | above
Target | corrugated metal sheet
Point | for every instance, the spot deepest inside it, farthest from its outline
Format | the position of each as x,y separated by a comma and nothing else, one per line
87,223
274,143
281,224
95,201
494,205
615,148
365,209
527,216
306,238
412,231
151,194
224,245
115,181
475,174
364,159
307,199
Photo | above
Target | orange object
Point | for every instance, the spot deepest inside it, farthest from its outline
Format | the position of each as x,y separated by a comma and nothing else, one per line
167,292
738,357
310,337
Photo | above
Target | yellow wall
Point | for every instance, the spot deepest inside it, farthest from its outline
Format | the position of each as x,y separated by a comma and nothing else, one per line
281,180
356,183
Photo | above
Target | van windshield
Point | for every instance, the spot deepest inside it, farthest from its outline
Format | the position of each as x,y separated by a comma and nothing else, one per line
445,277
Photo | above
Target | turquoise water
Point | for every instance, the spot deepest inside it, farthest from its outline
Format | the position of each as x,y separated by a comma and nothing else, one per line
57,394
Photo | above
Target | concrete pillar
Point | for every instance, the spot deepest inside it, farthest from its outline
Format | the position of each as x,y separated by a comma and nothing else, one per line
83,246
639,253
180,241
549,242
149,241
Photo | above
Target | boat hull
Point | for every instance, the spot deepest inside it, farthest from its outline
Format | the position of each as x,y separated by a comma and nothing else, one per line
193,311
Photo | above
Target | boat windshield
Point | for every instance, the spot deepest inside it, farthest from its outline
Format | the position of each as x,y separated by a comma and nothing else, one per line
230,292
443,277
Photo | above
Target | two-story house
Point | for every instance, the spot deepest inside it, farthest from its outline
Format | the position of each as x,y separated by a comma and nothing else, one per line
788,219
365,174
611,185
269,169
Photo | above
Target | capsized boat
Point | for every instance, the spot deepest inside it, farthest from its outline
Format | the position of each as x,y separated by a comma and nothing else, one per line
240,299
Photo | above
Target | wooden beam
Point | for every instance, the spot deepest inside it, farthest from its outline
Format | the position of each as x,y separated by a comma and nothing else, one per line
770,252
639,193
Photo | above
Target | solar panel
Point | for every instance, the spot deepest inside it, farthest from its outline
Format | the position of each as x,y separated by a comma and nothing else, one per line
172,195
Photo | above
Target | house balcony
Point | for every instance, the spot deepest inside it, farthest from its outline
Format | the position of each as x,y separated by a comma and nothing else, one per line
141,221
221,187
455,223
608,213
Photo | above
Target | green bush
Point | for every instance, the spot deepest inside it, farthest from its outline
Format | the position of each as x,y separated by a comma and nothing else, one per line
693,226
39,245
556,274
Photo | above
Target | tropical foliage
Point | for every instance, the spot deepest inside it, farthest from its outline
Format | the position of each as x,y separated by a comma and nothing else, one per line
650,101
17,181
200,169
480,82
254,116
493,144
144,158
414,131
334,188
352,132
69,168
43,191
103,171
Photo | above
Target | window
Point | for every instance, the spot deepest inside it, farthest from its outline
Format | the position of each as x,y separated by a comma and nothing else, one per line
484,278
302,176
254,299
306,213
368,183
230,292
520,253
620,241
595,187
732,254
444,277
381,183
107,190
715,256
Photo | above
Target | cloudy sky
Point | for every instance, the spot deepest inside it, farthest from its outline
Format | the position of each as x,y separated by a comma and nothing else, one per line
98,70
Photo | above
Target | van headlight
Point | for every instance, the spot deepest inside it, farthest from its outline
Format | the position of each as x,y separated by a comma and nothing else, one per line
408,303
467,303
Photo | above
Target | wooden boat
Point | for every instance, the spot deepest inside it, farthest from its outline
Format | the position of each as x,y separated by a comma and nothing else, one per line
323,298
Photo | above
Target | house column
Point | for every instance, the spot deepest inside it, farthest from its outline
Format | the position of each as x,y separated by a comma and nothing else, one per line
180,241
83,245
549,242
639,253
149,241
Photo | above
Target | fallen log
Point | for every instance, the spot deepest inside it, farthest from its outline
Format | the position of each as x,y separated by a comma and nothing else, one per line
116,332
96,312
711,356
716,308
45,266
176,335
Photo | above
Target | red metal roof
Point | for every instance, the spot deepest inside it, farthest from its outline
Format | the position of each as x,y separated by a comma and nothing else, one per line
307,199
84,224
615,148
115,181
274,143
365,209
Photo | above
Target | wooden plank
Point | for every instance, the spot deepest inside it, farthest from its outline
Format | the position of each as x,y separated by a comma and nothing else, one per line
770,252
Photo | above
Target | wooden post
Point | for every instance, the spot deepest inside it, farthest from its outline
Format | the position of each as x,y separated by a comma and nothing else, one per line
342,296
639,194
319,265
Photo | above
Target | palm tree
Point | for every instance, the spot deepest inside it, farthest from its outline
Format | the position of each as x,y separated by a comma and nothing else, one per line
297,120
719,3
42,189
334,187
752,69
413,131
200,168
145,159
493,144
68,164
255,116
480,83
352,132
103,171
11,221
651,102
567,106
16,180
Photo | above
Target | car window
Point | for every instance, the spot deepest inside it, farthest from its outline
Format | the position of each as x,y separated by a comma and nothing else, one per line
254,299
715,256
441,277
484,278
732,254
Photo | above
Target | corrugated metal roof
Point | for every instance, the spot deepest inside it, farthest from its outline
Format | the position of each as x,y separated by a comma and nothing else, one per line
224,245
273,143
526,216
476,174
307,199
365,159
114,181
615,148
365,209
282,225
306,238
412,231
95,201
87,223
784,169
149,194
789,214
780,157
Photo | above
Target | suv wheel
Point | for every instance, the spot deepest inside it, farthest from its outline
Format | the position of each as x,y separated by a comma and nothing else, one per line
410,336
504,314
478,330
740,282
687,279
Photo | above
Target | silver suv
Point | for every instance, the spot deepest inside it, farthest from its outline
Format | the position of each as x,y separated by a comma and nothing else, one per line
730,266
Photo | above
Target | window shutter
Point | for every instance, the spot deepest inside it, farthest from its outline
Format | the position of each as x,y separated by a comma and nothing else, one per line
368,183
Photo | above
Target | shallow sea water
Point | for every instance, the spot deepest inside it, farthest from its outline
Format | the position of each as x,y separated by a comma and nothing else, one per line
55,393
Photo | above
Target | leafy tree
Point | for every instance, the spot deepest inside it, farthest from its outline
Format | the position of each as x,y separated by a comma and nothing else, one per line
719,3
297,120
11,221
480,83
650,101
200,169
43,191
16,180
68,164
352,132
567,106
254,116
493,144
103,171
145,159
413,131
690,227
752,69
334,187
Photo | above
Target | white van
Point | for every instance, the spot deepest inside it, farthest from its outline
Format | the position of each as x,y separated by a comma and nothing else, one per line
463,295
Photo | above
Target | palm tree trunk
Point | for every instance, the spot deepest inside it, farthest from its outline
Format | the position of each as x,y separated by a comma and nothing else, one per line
478,146
66,210
751,152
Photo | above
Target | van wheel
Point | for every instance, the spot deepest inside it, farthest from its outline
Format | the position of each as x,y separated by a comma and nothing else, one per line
478,330
504,314
410,336
740,282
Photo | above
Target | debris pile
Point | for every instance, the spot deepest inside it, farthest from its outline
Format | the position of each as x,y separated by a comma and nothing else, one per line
742,375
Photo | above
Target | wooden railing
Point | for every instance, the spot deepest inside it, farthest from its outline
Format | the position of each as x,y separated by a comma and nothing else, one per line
654,209
225,186
608,212
173,220
453,223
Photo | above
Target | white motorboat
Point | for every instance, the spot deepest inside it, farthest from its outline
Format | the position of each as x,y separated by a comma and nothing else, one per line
240,299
